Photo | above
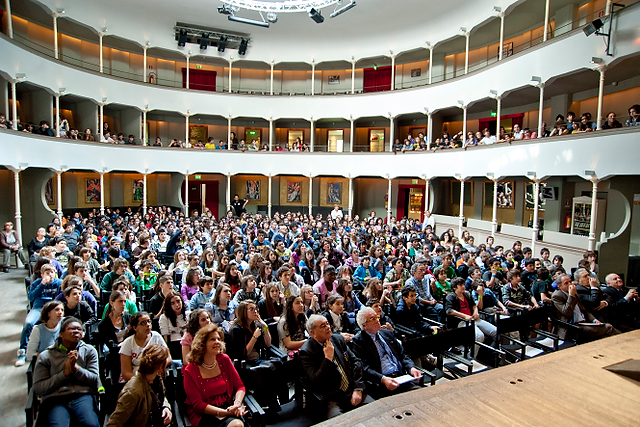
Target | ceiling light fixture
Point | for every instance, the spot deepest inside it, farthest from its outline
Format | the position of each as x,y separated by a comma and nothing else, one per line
222,44
204,41
182,39
316,16
243,46
248,21
343,9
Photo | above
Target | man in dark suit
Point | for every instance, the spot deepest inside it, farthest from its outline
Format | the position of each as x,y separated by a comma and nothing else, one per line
332,370
570,310
382,356
624,310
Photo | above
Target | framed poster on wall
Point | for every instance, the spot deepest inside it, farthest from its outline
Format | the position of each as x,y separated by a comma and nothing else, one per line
253,190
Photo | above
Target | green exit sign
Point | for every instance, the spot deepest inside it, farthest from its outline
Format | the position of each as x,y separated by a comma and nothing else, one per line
494,114
415,181
198,67
198,177
252,132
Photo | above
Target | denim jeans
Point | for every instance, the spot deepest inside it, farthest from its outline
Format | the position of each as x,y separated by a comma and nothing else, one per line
79,407
32,318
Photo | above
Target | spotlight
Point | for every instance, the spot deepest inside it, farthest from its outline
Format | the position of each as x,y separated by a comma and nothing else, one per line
272,17
225,9
316,16
182,39
593,27
243,46
342,10
222,44
248,21
204,41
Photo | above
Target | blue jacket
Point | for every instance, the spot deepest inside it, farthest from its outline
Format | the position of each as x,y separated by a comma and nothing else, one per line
40,294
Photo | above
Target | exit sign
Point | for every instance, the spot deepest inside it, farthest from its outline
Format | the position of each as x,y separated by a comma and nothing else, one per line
198,177
415,181
494,114
199,67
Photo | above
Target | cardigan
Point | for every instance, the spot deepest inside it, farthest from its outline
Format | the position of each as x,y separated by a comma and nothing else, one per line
135,403
194,389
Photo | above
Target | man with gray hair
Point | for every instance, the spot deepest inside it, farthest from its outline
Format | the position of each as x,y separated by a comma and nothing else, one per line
383,357
429,307
333,371
625,305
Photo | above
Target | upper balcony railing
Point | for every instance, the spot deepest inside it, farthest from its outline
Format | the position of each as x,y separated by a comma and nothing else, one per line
450,71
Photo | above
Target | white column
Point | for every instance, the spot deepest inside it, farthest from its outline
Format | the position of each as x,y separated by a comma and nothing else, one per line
55,37
229,132
464,123
392,133
534,232
144,193
389,203
100,122
312,138
594,215
186,193
352,135
500,52
546,21
271,84
100,53
144,127
7,7
228,192
271,134
540,110
393,70
313,78
102,193
607,9
427,184
310,195
466,54
144,62
498,113
230,71
59,212
600,119
353,75
494,216
461,215
429,130
187,70
269,200
57,117
14,104
18,215
350,197
430,63
187,143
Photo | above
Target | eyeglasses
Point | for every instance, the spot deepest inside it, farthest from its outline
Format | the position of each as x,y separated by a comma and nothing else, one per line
144,322
372,319
75,329
251,309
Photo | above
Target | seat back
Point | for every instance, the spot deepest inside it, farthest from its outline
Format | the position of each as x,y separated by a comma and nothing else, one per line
442,341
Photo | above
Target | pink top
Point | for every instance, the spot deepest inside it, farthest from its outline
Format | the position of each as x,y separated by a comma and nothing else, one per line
217,391
320,289
186,340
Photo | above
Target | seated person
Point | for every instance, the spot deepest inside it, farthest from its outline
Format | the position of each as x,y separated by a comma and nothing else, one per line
332,370
248,291
326,285
382,356
440,286
515,296
569,309
591,296
75,307
173,322
47,330
292,325
139,337
245,338
73,280
41,291
310,300
541,289
351,303
146,277
408,314
120,268
112,331
10,244
373,289
142,399
461,307
272,304
529,275
421,283
364,271
198,318
221,307
204,295
89,284
624,310
338,319
164,286
214,390
65,377
485,299
190,286
285,283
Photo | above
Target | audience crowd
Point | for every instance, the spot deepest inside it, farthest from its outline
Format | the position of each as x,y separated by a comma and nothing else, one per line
198,292
562,126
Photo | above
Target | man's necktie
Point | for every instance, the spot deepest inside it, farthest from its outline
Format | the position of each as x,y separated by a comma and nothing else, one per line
344,381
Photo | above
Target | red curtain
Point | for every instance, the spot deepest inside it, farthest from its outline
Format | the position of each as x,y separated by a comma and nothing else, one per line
199,79
490,122
376,80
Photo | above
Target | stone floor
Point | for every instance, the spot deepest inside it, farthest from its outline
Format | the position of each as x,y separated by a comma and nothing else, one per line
13,381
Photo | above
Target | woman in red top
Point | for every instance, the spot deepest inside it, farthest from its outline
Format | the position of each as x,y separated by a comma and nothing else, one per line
213,387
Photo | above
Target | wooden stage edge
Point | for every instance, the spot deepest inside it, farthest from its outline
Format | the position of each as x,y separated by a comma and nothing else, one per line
565,388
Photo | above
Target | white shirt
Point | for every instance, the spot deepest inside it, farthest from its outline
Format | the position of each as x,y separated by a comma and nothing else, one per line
488,140
130,348
335,214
